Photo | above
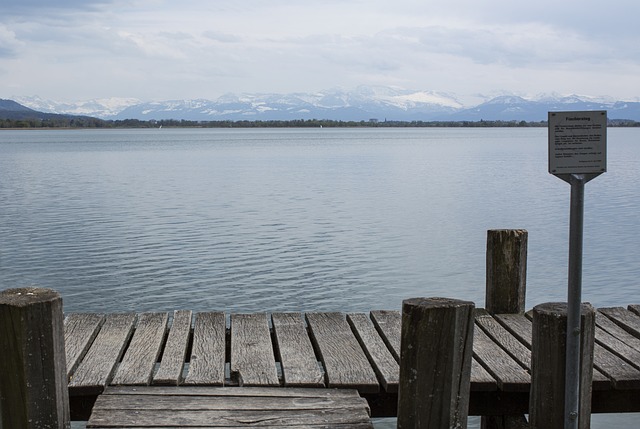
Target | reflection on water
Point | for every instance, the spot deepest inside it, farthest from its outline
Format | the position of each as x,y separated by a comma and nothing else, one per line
273,220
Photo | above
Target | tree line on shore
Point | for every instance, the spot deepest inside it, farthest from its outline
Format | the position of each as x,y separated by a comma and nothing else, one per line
88,122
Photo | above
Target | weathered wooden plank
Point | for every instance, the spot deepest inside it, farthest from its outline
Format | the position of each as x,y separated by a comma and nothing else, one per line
163,406
80,329
624,375
367,425
226,402
295,351
96,369
619,348
627,320
346,365
521,327
252,357
504,338
635,308
140,358
481,380
206,364
383,362
612,328
175,350
227,418
232,391
508,373
389,325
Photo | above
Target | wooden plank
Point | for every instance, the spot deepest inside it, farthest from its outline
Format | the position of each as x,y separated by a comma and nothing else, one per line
508,373
624,375
226,402
140,358
481,380
383,362
96,369
635,308
175,350
252,357
389,325
612,328
160,406
80,329
619,348
226,418
504,338
627,320
346,365
207,361
232,391
295,351
521,327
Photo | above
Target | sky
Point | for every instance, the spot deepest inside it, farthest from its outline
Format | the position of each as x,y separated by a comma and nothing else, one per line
152,50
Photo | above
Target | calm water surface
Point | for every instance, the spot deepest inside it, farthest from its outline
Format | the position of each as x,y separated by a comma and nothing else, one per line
302,219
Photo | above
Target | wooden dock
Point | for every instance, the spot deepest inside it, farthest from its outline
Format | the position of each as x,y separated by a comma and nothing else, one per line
326,350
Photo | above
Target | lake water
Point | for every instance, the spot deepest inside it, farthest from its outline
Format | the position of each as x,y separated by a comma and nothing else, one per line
303,219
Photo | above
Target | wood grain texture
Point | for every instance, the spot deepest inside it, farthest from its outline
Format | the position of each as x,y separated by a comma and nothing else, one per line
435,368
346,365
389,325
510,375
547,398
164,407
518,351
618,347
614,329
481,380
634,308
175,350
506,278
623,374
207,361
380,357
33,371
80,329
295,351
521,327
96,369
252,356
624,318
140,358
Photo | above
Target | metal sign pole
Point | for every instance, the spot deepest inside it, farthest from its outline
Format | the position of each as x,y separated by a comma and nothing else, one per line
577,154
574,300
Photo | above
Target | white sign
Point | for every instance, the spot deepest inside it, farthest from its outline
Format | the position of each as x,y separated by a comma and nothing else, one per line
578,142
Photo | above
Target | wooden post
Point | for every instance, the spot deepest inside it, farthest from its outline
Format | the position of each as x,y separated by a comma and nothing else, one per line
506,271
435,363
33,380
506,279
548,358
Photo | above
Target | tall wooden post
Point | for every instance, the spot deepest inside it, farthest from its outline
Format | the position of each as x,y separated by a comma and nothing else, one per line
506,275
506,287
33,380
435,363
548,359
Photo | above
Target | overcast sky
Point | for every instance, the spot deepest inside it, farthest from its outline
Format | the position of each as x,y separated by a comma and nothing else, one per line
157,50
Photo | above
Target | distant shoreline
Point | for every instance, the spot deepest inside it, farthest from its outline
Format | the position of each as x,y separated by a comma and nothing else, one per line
94,123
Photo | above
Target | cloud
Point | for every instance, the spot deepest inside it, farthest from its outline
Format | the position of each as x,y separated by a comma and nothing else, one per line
9,45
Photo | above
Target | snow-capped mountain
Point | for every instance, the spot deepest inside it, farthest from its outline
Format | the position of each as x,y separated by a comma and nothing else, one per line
363,103
99,108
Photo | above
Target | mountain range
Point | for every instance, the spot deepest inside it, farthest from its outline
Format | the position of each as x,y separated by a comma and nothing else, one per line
362,104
